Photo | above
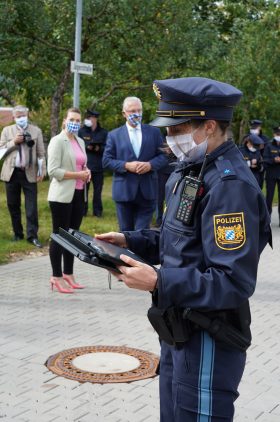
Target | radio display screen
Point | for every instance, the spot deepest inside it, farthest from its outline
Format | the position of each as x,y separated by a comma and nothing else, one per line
190,191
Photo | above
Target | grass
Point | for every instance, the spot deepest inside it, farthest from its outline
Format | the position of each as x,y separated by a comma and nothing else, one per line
10,250
91,225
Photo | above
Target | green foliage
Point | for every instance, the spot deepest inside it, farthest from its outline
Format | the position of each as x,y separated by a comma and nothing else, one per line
9,249
131,44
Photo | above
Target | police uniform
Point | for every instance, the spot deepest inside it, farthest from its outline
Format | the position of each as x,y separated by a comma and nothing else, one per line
208,267
163,176
95,141
249,155
272,150
255,128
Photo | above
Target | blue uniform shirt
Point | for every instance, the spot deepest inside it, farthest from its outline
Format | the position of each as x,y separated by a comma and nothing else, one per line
211,264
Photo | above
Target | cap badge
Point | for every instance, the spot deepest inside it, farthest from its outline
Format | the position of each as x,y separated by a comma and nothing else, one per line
229,230
157,91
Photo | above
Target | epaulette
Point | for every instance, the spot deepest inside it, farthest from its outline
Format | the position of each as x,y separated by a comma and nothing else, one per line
225,168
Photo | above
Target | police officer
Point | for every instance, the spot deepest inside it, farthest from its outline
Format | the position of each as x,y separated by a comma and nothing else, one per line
256,129
250,149
215,226
272,166
95,139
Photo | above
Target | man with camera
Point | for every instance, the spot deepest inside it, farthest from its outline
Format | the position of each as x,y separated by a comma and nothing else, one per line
22,169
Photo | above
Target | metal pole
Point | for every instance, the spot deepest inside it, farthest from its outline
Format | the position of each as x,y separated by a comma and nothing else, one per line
79,7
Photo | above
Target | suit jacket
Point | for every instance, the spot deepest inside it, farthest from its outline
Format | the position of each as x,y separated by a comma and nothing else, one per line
119,150
38,151
61,158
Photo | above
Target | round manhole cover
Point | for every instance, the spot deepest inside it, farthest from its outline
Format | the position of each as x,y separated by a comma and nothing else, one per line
104,364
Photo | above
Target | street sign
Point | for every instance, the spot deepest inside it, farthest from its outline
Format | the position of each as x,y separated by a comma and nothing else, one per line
84,68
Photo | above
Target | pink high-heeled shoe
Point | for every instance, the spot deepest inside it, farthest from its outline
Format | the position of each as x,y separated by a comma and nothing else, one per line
54,281
71,283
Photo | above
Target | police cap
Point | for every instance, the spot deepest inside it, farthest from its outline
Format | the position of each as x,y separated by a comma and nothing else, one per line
255,139
92,113
276,129
185,99
255,123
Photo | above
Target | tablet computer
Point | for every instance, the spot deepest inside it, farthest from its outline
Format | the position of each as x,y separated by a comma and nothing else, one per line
105,250
93,251
74,249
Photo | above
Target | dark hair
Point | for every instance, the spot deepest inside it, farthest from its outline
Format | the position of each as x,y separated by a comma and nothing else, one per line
246,139
223,124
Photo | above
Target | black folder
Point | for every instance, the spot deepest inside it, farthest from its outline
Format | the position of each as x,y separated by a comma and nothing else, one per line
93,251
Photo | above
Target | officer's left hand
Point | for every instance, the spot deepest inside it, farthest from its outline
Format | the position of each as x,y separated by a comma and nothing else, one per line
138,276
40,178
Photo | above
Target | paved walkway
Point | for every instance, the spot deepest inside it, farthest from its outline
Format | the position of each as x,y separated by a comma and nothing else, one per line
37,323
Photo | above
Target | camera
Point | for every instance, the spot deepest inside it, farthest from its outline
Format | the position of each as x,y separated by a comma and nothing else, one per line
28,139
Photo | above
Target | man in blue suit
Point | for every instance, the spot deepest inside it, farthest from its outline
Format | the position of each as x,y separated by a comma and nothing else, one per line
133,153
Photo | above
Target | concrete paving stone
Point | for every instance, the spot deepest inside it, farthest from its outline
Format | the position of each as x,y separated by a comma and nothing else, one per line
37,323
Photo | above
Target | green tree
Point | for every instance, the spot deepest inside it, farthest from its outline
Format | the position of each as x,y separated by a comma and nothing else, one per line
130,45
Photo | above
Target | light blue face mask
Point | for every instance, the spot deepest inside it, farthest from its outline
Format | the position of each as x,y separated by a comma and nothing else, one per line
72,127
135,118
21,121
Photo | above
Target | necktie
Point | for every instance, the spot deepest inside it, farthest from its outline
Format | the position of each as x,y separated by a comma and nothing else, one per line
135,142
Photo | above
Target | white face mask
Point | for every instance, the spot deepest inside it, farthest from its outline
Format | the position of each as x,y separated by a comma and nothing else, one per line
255,131
198,152
180,145
88,122
277,138
21,121
184,147
252,149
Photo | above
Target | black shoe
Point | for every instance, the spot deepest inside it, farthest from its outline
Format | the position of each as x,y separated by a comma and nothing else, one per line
35,242
17,237
97,214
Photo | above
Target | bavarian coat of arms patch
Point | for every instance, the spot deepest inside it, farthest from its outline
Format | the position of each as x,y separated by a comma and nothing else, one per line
229,230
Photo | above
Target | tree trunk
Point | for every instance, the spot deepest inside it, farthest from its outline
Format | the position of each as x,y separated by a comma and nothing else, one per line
57,100
242,129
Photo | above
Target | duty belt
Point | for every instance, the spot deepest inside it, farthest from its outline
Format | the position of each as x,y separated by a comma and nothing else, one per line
175,326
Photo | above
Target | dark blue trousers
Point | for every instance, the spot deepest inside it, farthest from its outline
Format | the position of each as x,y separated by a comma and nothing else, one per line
135,215
97,179
199,381
270,188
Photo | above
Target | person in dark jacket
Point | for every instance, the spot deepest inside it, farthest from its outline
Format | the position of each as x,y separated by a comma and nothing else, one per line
272,169
250,149
95,139
214,229
256,129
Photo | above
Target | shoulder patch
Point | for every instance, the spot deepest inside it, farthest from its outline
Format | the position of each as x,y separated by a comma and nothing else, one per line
225,169
229,230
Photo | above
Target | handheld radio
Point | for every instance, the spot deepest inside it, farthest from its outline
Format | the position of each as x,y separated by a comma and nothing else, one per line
191,192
